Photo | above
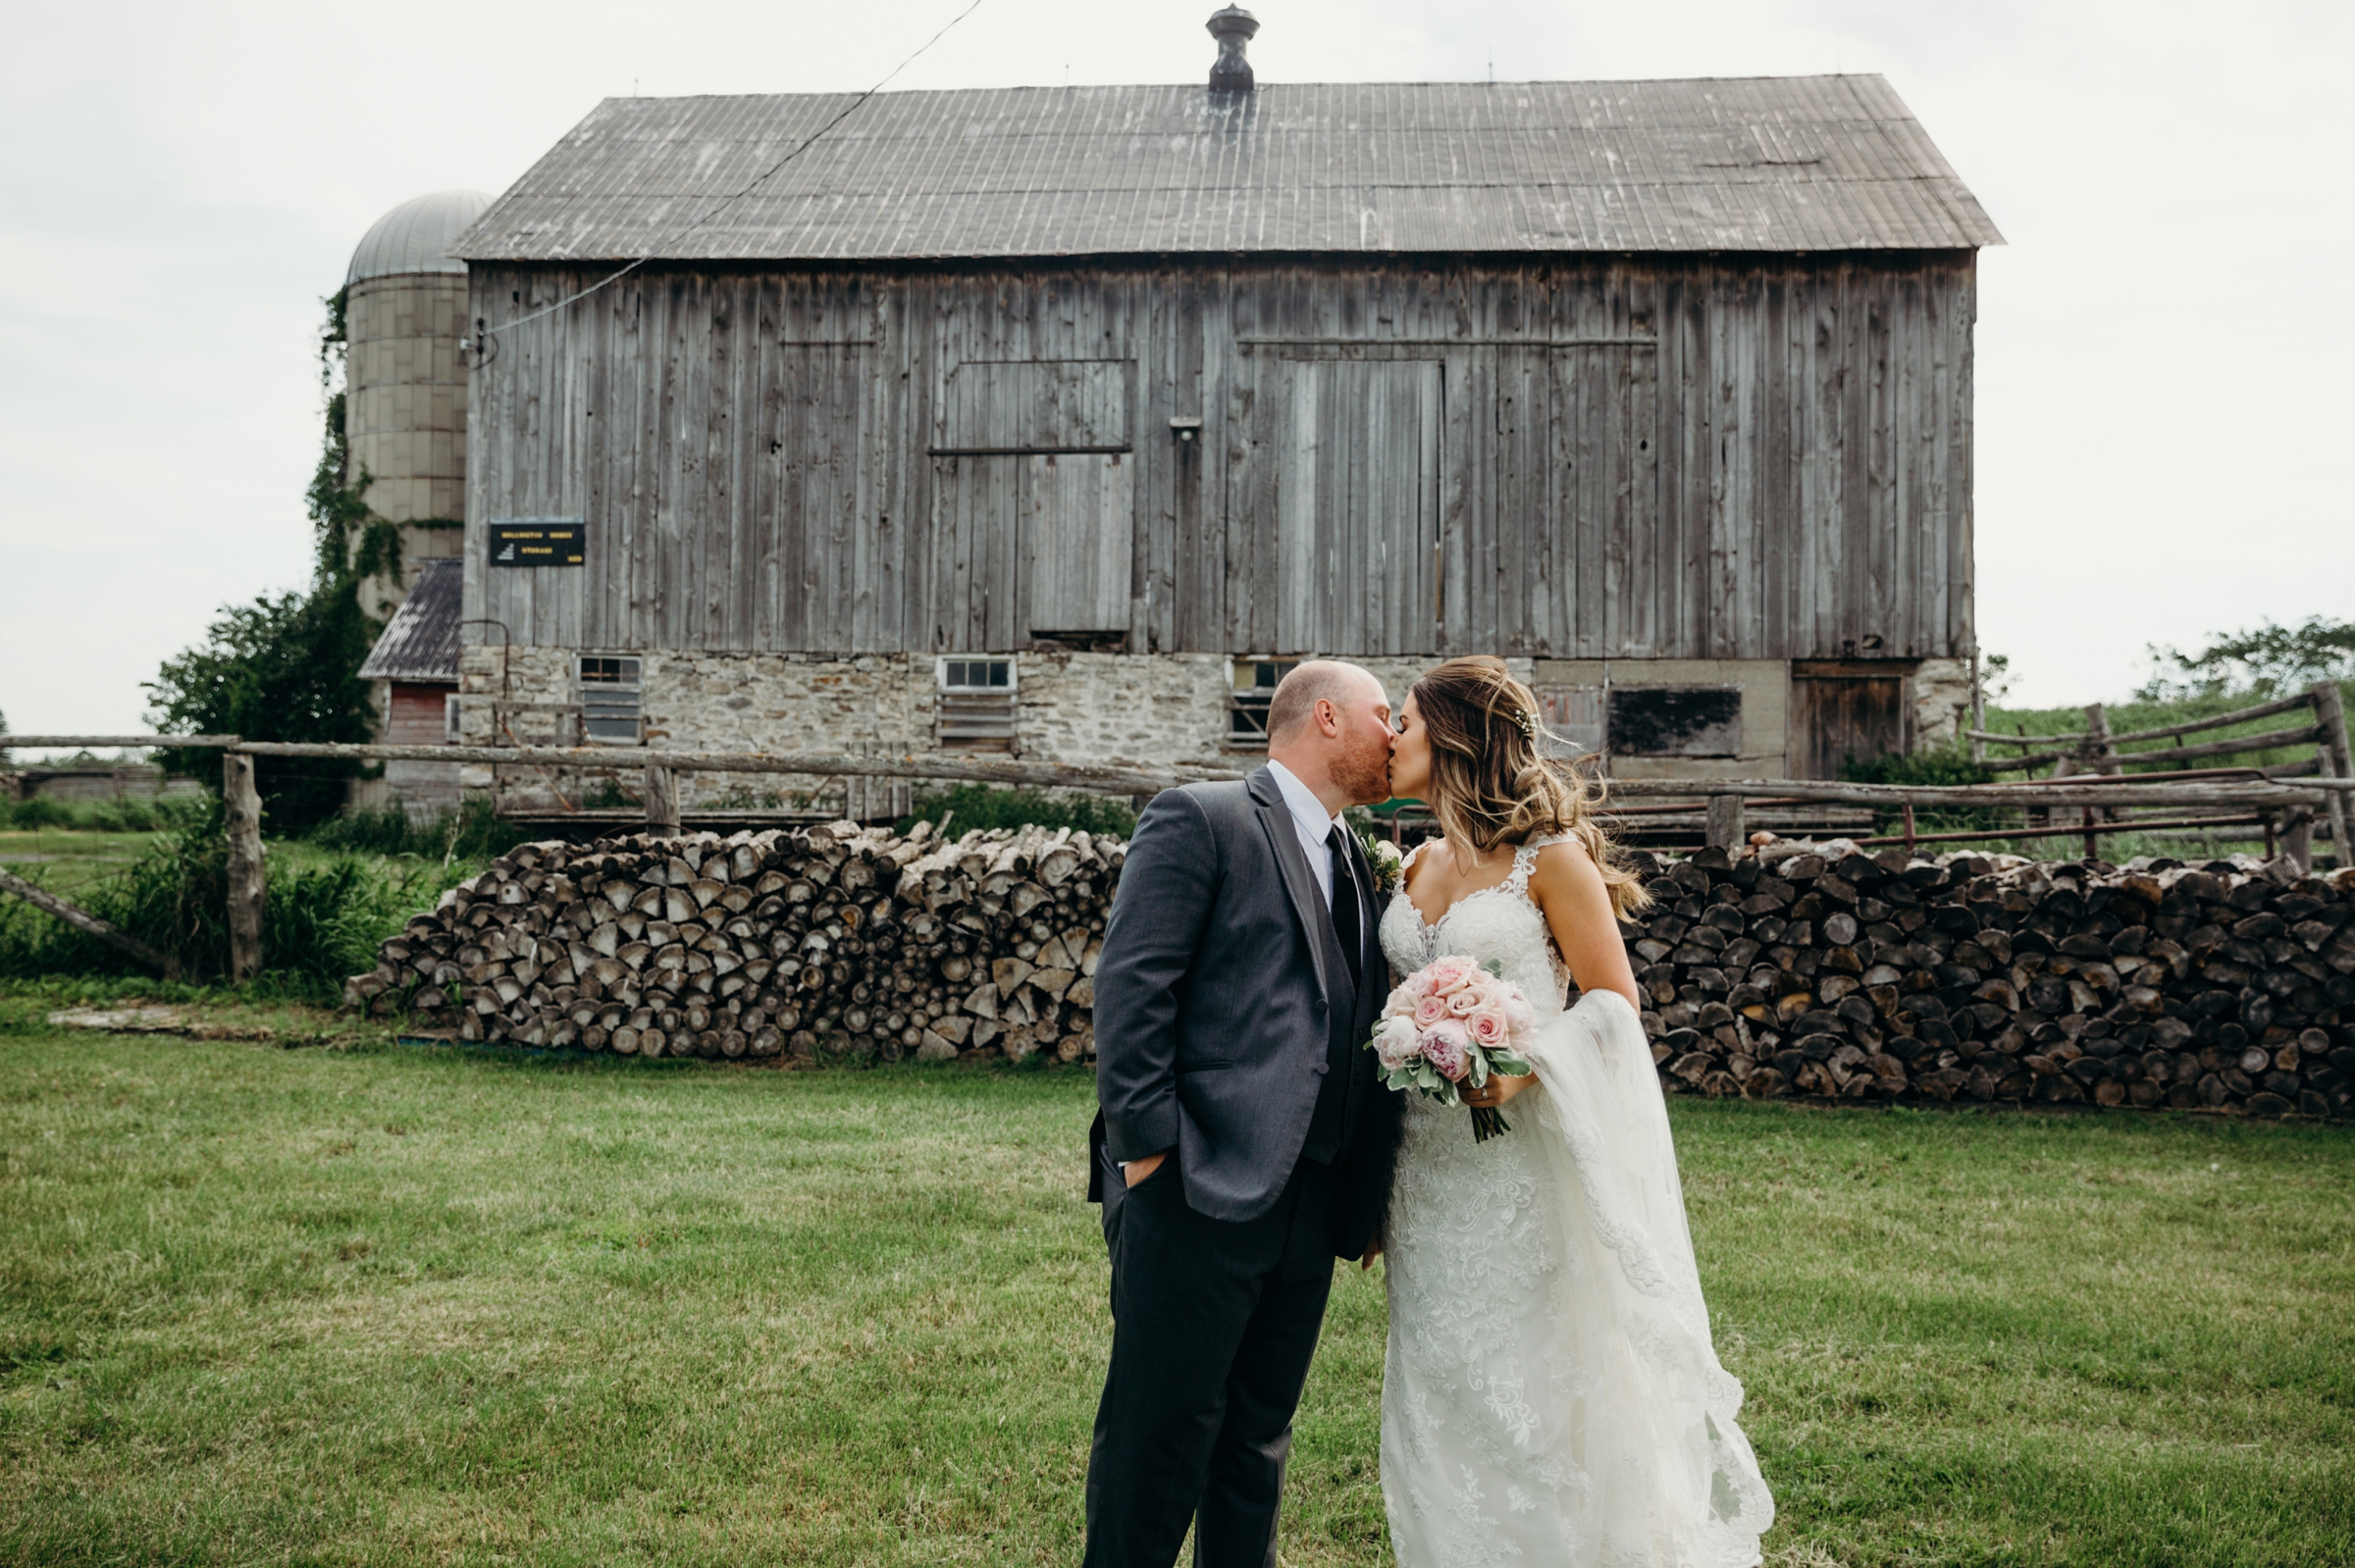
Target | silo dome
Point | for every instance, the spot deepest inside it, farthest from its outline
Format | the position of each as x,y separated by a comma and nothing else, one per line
416,235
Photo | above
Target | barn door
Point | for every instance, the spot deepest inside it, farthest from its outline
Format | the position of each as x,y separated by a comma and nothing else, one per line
1357,504
1037,501
1841,712
810,560
1076,513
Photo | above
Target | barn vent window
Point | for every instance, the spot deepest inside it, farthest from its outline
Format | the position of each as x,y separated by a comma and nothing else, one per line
609,700
449,719
1675,720
1252,689
976,704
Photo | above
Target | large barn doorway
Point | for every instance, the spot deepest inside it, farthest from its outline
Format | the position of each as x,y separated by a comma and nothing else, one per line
1357,503
1843,711
1037,501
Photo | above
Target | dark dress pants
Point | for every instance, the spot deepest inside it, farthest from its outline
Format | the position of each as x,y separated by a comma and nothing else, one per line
1214,1325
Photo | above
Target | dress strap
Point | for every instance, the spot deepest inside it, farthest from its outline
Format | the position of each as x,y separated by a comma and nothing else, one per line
1525,860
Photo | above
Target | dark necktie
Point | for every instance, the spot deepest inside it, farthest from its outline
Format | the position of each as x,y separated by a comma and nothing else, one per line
1345,916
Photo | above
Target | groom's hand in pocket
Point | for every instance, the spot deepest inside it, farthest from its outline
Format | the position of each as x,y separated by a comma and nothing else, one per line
1134,1172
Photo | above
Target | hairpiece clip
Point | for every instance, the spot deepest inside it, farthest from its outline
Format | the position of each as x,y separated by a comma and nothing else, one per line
1530,725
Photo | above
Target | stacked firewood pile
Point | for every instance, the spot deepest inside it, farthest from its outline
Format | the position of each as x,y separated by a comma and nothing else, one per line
831,941
1784,969
1787,971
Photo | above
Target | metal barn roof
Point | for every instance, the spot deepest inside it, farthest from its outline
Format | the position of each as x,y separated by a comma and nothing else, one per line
420,643
1770,163
415,235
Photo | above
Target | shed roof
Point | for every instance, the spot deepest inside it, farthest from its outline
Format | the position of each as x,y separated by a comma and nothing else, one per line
1769,163
420,643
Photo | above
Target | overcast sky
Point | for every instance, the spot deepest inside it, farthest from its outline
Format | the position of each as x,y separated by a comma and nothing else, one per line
2163,346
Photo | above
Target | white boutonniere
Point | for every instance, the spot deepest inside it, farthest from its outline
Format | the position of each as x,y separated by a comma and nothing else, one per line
1389,866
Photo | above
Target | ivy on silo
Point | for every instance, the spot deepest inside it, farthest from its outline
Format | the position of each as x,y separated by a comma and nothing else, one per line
353,541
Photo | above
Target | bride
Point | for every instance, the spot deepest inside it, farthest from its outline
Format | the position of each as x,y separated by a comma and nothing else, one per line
1550,1395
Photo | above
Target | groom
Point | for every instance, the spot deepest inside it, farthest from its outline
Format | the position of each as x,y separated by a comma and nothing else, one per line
1244,1140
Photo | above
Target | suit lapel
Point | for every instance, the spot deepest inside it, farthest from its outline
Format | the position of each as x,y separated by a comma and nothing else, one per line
1299,883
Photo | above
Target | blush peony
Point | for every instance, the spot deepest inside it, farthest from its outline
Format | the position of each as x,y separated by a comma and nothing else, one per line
1449,1048
1397,1044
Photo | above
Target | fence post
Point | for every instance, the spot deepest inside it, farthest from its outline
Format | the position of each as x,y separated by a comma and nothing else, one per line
242,804
1979,711
662,801
1725,829
2331,714
2297,837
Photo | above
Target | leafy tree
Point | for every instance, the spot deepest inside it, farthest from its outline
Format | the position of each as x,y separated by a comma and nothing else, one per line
2266,661
277,669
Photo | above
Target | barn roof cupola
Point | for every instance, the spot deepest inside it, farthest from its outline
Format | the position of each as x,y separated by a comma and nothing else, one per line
1234,27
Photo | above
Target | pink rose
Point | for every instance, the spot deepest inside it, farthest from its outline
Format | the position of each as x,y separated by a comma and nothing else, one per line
1449,1048
1429,1011
1464,1002
1401,1004
1488,1028
1449,973
1396,1044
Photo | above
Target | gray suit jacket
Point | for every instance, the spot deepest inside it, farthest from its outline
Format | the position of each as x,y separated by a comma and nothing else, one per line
1214,994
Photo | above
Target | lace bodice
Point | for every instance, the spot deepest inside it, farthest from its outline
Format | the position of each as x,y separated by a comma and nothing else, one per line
1501,923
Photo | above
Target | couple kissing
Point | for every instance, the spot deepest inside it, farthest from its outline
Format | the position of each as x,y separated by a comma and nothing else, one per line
1550,1395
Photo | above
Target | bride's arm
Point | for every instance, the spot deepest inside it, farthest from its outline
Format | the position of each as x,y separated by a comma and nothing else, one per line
1569,891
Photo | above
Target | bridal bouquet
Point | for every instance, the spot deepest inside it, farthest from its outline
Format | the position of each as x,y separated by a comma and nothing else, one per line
1454,1021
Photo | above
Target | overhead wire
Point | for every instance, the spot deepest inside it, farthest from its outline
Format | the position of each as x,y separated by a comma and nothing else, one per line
849,109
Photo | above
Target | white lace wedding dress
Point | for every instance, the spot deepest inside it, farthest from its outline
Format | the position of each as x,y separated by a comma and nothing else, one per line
1550,1395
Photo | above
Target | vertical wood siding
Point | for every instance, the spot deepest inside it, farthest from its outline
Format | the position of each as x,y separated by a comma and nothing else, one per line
1656,456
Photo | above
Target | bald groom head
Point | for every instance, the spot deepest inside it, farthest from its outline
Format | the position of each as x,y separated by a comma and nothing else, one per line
1329,724
1314,681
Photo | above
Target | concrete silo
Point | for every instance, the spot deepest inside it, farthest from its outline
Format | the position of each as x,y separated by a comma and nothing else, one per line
405,379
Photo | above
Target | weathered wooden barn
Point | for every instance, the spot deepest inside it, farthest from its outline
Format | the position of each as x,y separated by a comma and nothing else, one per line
1059,420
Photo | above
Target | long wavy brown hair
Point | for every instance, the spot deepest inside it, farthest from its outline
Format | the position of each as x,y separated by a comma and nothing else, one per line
1489,784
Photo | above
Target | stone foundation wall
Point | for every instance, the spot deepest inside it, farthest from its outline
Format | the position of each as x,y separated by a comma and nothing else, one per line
1941,701
1071,706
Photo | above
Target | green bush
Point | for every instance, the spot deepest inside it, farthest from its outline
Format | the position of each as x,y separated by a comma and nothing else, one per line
36,814
98,816
321,922
1945,768
1942,768
967,806
472,832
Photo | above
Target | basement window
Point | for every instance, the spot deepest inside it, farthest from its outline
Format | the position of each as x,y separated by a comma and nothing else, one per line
1675,720
609,700
1251,689
976,704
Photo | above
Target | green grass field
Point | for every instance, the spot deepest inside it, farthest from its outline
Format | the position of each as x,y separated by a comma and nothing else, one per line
394,1305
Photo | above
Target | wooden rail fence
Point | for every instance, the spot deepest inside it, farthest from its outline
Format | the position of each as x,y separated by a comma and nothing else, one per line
2251,797
2096,749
